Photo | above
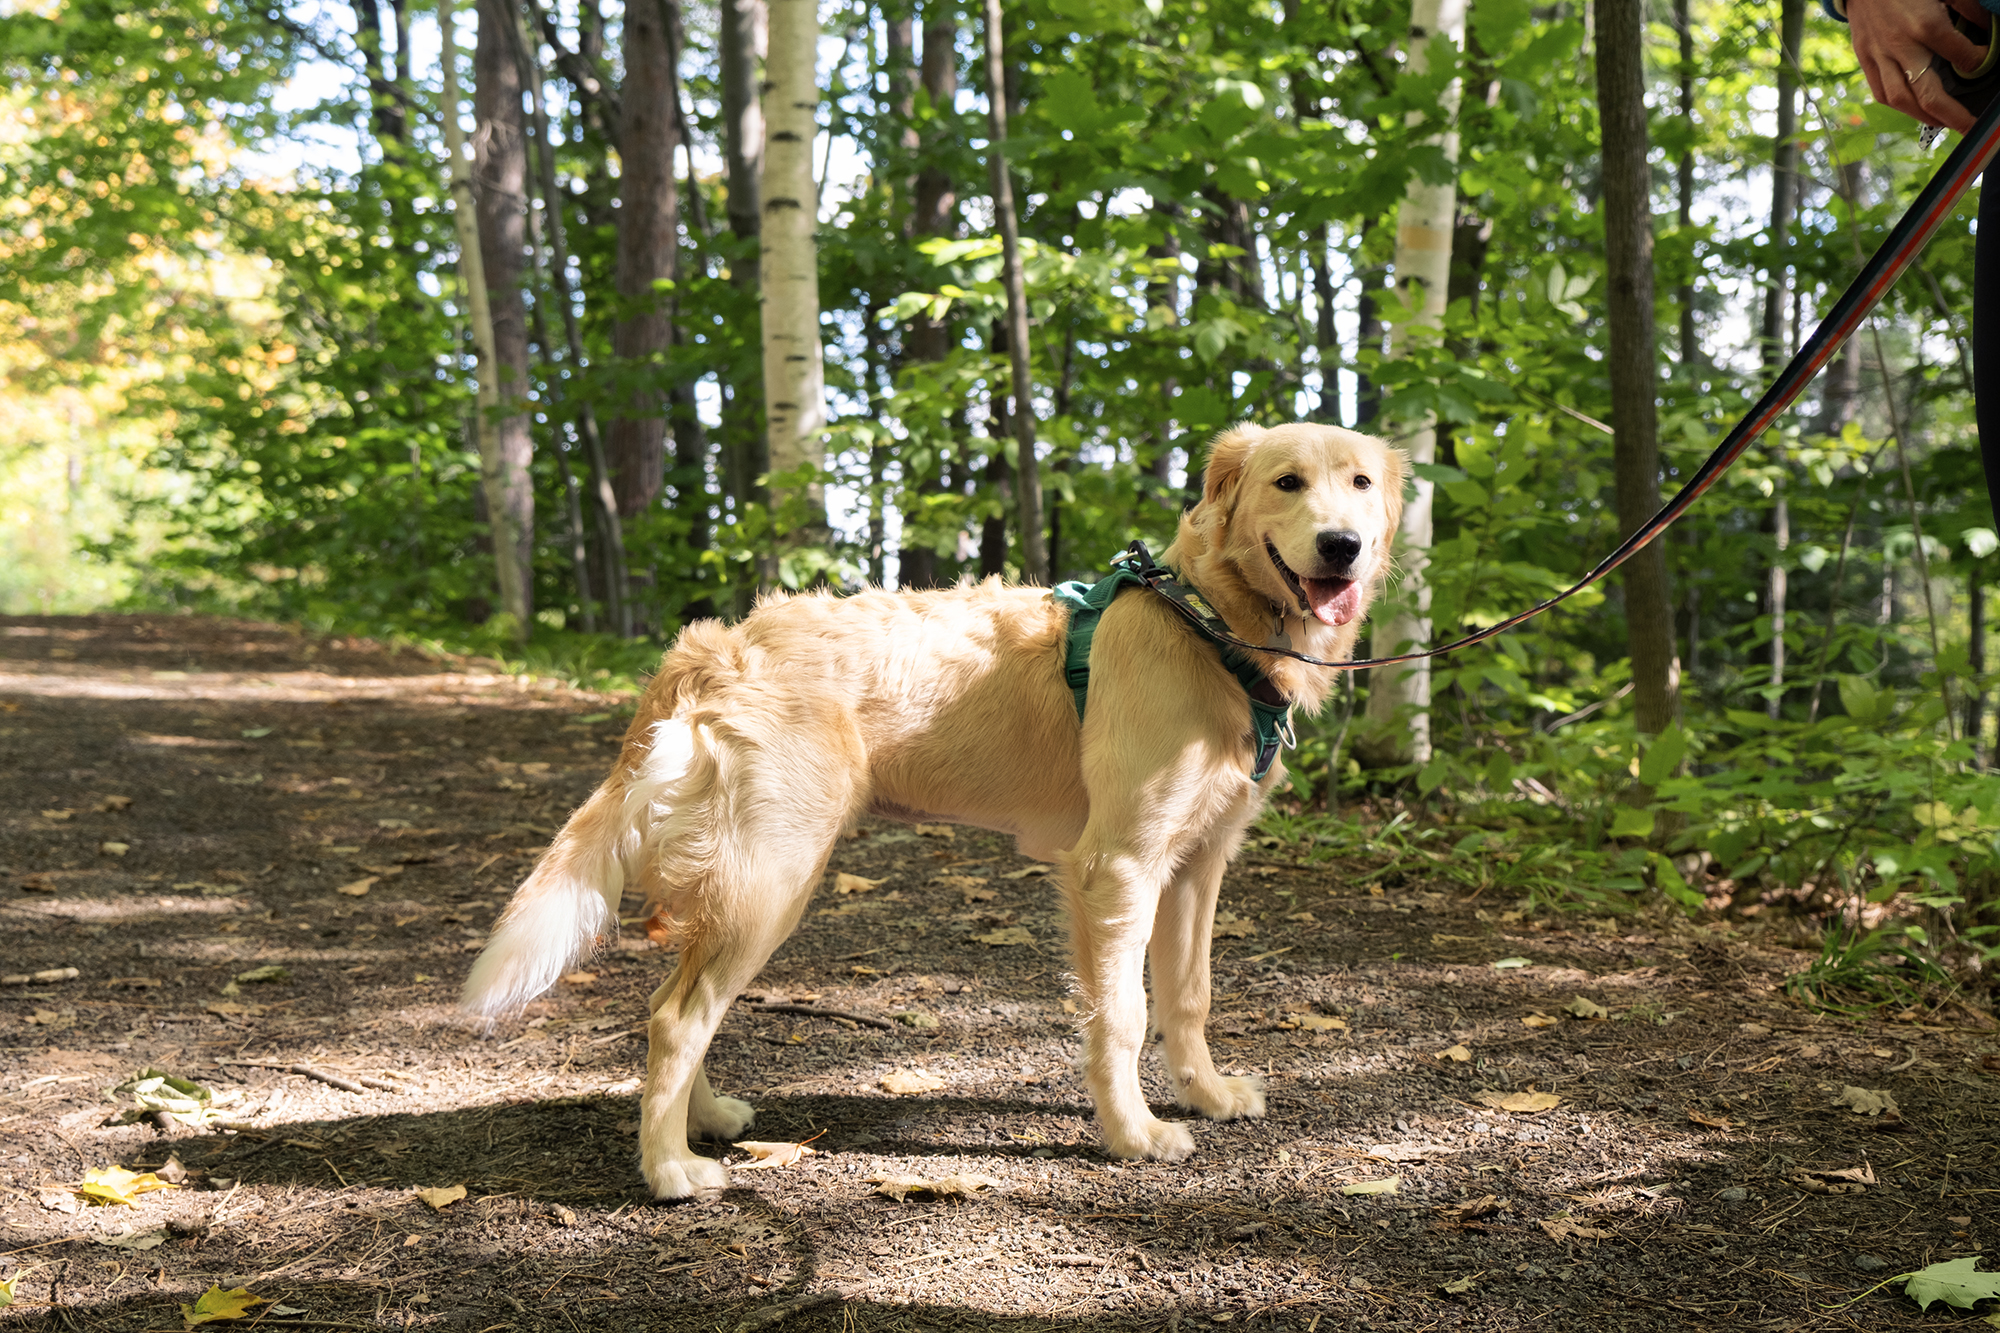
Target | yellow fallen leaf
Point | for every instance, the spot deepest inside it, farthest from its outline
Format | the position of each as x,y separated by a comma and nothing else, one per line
1025,871
114,1184
944,831
962,1184
769,1155
359,888
1006,935
1520,1103
58,816
215,1305
443,1197
1561,1228
1229,926
1321,1023
114,848
846,883
1386,1185
579,978
1539,1021
1583,1008
1458,1054
910,1081
106,804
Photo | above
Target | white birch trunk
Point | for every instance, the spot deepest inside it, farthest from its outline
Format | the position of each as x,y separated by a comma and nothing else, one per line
788,265
1423,269
512,578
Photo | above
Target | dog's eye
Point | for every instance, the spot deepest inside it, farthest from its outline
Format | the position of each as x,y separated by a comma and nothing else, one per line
1361,483
1290,482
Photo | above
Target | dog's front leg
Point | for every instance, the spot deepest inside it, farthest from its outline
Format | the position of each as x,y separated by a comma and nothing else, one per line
1112,898
1179,950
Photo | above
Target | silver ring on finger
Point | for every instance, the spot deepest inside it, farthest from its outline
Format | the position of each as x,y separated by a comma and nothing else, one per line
1912,75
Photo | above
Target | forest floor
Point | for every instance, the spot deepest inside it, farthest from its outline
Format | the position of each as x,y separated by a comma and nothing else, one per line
264,853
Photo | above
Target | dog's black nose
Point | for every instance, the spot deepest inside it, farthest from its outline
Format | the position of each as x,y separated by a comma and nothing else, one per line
1339,548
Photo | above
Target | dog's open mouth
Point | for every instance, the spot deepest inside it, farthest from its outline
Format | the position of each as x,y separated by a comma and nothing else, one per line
1332,601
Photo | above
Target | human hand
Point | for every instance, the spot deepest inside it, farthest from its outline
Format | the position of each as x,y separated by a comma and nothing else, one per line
1895,40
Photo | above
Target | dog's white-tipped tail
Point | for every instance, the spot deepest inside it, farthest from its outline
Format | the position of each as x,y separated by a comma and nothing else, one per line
555,919
570,902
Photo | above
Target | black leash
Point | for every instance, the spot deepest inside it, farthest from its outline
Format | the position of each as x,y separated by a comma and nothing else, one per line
1877,276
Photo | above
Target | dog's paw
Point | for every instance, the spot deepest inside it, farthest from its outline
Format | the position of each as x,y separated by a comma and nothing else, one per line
1152,1141
1230,1097
685,1177
727,1117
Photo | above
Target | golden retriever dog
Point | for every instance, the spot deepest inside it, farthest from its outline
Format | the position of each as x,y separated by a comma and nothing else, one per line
758,744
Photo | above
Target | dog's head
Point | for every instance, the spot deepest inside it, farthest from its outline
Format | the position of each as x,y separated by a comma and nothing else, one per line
1302,516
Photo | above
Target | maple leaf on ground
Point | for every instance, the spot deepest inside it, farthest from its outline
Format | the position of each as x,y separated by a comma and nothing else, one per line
771,1155
1955,1282
215,1305
114,1184
1868,1101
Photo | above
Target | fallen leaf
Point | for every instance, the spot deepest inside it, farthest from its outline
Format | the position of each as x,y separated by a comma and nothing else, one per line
910,1081
846,883
441,1197
216,1305
1386,1185
944,831
1539,1021
114,848
58,816
1765,1066
1562,1228
1025,871
128,1239
1004,936
1867,1101
114,1184
359,888
1956,1282
106,804
1402,1152
1505,963
1758,1030
7,1290
1069,1006
1883,1053
962,1185
1458,1053
1447,939
1458,1288
1520,1103
392,823
271,972
1484,1206
579,978
1583,1008
770,1155
1701,1119
1229,926
1321,1023
38,884
156,1092
1847,1180
255,733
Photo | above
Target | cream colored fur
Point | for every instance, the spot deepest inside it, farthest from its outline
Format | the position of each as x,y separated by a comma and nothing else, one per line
757,745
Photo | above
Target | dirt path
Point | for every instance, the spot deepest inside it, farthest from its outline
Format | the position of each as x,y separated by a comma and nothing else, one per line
188,804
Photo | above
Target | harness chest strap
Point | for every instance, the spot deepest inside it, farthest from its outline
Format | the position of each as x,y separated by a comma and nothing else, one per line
1270,711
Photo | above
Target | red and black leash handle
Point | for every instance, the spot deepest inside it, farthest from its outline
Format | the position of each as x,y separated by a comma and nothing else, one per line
1880,273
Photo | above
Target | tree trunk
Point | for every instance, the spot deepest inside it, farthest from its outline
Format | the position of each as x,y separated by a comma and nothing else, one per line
648,245
1028,477
741,44
935,213
788,274
503,516
1690,352
1975,695
604,503
1399,698
1633,359
1368,331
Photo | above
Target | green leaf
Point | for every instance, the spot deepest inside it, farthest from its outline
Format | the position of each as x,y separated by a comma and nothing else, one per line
1663,756
1629,822
1433,775
1857,696
1956,1282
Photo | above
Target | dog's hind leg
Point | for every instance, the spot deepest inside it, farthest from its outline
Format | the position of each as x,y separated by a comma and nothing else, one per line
772,821
1179,952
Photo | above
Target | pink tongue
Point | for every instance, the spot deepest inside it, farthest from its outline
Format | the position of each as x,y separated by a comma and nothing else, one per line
1334,601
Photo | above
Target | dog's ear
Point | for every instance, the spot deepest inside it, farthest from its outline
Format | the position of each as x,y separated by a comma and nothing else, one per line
1395,475
1225,461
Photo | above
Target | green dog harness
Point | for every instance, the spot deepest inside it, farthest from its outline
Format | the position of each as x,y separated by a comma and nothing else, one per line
1270,711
